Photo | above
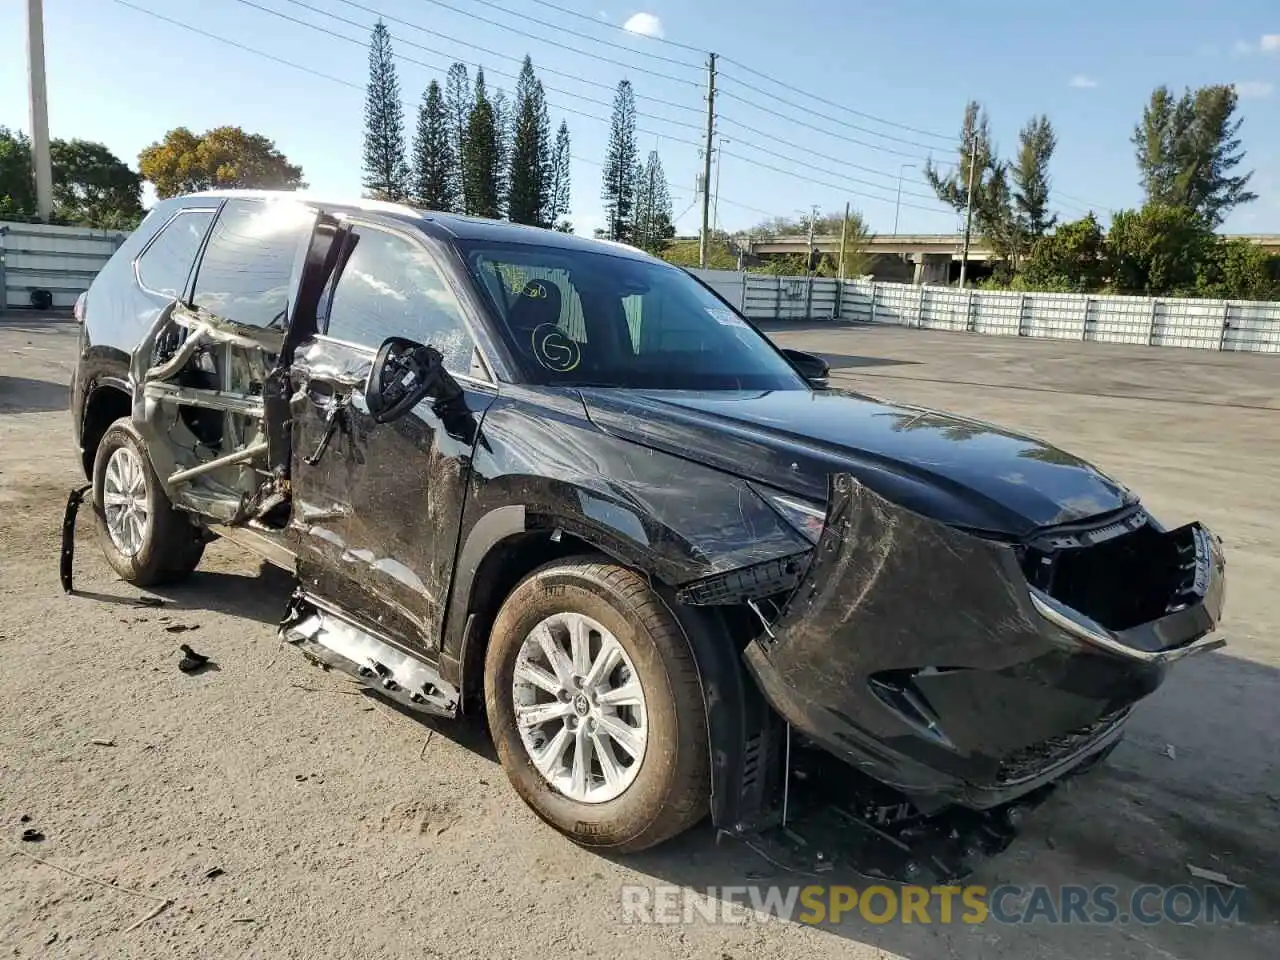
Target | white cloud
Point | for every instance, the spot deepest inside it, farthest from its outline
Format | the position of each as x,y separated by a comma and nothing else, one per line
1269,43
1242,48
645,24
1254,89
1082,82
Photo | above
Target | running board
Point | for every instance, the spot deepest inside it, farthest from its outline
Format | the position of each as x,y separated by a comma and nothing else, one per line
268,546
328,638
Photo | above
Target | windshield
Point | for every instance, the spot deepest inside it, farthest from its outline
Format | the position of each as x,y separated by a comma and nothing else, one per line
579,318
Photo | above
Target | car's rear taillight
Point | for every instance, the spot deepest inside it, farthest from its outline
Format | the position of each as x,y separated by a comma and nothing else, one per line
78,310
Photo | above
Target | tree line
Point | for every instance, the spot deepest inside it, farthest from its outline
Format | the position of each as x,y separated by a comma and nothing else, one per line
475,152
1189,156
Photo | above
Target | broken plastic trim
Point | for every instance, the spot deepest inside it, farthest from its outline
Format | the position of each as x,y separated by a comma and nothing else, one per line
1092,632
67,556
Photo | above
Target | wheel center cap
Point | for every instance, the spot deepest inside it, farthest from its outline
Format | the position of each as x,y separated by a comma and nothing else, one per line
581,705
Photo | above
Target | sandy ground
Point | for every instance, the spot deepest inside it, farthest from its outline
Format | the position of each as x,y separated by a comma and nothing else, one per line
343,829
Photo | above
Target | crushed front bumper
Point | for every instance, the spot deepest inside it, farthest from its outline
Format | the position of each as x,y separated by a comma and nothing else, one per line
921,655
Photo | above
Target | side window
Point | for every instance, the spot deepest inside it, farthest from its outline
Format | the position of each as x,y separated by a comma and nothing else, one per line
165,265
245,273
391,287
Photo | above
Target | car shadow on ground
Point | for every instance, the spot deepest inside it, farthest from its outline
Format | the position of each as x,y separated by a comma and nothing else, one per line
24,395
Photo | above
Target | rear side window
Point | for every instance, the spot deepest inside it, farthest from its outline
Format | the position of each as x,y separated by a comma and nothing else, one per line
166,264
248,264
391,287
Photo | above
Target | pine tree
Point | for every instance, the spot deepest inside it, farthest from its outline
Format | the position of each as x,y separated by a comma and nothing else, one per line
1188,147
386,174
457,106
502,124
1030,173
653,220
558,190
529,200
618,187
435,168
480,156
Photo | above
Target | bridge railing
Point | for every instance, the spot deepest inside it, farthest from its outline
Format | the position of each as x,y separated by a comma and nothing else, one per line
1239,325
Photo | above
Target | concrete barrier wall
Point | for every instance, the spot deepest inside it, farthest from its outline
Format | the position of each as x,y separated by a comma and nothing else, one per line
1153,321
62,260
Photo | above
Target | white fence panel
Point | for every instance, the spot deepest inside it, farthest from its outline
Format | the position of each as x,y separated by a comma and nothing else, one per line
62,260
1253,327
1122,319
996,313
1189,323
942,308
730,284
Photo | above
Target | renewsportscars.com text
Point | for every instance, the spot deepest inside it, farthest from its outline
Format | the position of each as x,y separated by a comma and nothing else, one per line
971,904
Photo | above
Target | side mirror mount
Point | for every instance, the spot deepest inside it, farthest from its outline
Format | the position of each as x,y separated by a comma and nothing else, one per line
813,368
404,373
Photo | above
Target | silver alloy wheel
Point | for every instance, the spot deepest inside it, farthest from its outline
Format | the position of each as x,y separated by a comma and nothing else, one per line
124,501
580,708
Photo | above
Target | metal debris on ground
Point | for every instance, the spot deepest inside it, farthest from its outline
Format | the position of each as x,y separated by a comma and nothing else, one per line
181,627
1170,751
31,835
1213,876
101,742
74,499
191,661
213,873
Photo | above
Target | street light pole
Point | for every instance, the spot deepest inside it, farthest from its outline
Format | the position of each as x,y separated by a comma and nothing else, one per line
39,102
898,204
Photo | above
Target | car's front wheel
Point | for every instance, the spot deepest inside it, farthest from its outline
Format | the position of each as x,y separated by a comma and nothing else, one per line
595,706
144,538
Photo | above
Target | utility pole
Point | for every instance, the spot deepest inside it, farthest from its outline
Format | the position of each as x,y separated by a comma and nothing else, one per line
39,102
844,236
706,161
813,223
968,209
648,214
897,206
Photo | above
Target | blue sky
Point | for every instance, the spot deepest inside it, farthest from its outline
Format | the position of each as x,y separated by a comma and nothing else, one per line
122,77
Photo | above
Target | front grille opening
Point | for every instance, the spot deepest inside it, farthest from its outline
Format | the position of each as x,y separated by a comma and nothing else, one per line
1120,583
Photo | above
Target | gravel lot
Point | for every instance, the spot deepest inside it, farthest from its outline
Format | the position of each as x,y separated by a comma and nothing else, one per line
345,829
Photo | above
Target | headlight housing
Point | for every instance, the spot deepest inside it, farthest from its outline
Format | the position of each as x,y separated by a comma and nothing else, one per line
806,516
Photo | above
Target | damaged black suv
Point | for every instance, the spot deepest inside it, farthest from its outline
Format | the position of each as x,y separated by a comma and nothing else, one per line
564,483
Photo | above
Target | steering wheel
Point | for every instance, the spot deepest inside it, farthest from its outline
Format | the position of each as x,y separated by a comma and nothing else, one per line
403,373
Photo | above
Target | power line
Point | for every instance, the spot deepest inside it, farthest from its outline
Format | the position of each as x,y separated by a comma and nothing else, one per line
357,86
613,26
240,46
562,45
822,116
823,183
420,63
823,130
786,86
475,46
829,173
845,163
832,103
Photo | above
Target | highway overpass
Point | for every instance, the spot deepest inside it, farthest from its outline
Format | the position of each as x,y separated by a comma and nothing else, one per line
932,253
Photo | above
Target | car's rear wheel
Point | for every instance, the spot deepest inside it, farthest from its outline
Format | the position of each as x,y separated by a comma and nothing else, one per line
144,538
595,706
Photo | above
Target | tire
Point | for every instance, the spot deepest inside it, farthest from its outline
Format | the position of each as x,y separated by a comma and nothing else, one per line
669,788
168,545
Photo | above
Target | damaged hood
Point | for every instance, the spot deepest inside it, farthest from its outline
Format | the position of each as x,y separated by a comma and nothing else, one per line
959,471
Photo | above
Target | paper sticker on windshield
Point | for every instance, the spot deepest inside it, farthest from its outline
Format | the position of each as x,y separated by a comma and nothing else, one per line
724,315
